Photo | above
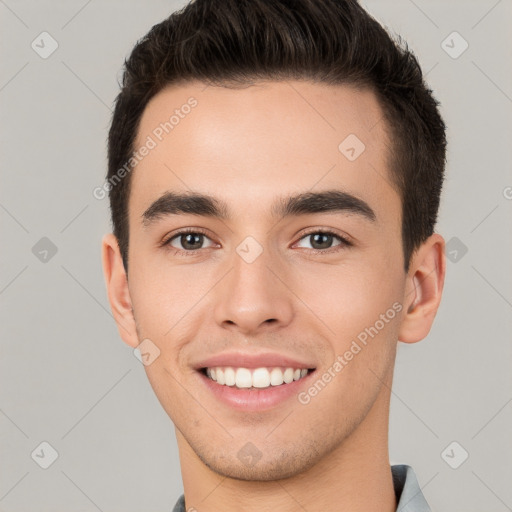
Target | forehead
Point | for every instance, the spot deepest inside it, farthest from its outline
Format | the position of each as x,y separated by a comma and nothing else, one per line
248,145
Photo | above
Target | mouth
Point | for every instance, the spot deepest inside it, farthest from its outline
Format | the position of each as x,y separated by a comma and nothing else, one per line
255,378
254,381
255,389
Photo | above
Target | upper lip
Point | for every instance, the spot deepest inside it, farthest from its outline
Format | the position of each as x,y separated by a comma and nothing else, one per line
247,360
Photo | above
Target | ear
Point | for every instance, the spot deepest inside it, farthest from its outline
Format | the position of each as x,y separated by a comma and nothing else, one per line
117,290
423,290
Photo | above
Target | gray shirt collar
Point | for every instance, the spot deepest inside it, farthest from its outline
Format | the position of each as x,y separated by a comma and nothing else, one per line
407,490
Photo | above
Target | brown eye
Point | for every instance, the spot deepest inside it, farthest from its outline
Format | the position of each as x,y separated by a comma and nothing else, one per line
191,241
323,240
188,241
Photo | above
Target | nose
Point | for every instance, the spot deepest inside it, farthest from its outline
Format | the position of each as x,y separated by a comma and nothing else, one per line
253,297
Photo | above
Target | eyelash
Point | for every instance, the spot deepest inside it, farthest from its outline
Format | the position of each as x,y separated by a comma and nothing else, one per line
344,242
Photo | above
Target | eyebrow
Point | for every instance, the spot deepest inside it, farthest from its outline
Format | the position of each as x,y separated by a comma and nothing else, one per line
335,201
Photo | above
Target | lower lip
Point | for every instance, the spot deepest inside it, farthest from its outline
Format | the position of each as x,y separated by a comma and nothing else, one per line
245,399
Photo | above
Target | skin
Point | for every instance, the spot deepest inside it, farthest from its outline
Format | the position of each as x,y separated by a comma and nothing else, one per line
247,147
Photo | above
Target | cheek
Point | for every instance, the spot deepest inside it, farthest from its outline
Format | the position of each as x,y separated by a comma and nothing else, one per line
350,298
359,313
169,304
153,303
162,294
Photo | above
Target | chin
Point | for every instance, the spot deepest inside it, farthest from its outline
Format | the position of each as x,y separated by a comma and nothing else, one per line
279,467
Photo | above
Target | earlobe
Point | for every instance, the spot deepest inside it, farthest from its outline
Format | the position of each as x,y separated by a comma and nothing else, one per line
117,290
424,289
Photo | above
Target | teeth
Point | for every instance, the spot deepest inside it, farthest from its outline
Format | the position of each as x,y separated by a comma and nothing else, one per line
260,378
243,378
257,378
220,376
277,377
229,376
288,375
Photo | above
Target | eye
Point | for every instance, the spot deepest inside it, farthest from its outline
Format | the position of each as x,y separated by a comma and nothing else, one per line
322,241
187,241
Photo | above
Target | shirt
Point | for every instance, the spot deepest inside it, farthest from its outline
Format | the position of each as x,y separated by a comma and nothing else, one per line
407,490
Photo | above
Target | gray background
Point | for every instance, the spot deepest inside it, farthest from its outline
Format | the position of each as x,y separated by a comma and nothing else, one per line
68,379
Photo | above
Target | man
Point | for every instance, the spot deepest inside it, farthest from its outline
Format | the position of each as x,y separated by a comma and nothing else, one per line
275,170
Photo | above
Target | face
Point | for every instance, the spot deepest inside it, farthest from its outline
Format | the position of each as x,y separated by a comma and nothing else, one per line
292,258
